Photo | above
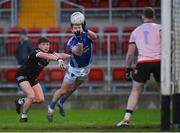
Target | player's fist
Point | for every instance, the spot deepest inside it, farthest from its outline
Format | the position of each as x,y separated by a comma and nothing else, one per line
128,75
61,63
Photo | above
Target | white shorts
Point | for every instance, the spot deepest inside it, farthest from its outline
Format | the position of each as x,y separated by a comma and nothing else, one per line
76,73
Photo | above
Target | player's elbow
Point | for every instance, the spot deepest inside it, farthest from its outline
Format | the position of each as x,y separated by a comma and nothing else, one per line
94,37
130,55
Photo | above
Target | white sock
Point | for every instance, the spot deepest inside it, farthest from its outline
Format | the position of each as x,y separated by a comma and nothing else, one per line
50,110
127,116
24,115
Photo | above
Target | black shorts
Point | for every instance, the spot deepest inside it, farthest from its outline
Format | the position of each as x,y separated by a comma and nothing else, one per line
143,71
21,78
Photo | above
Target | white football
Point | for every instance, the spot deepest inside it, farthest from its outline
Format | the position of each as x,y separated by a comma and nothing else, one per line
77,18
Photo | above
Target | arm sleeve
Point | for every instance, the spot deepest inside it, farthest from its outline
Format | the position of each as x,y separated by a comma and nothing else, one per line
34,53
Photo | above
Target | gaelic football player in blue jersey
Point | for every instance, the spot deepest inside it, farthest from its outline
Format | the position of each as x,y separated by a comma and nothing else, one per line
81,47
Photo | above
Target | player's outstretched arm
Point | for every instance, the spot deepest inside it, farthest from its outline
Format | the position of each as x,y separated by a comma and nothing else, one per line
63,56
52,56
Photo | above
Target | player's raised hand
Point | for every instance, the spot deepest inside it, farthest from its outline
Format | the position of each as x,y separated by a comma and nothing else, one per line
128,75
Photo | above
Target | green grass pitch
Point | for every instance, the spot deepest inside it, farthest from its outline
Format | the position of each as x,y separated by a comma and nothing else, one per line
81,120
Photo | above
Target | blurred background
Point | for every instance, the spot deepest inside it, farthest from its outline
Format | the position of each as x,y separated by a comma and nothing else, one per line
112,20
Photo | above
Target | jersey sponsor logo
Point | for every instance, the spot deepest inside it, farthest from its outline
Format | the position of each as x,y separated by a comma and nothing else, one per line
37,50
20,78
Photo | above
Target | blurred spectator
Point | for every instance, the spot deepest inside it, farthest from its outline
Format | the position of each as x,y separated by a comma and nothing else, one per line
24,47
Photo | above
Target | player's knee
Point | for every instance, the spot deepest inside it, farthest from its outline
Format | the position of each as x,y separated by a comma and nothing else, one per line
29,99
31,96
40,100
65,91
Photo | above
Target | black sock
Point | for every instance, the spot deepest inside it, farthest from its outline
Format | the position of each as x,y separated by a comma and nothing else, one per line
129,111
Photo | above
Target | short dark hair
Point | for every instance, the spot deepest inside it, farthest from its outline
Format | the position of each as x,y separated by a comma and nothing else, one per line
43,40
149,12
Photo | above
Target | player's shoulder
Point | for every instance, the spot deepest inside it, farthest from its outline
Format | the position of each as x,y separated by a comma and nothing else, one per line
156,25
136,29
36,50
71,41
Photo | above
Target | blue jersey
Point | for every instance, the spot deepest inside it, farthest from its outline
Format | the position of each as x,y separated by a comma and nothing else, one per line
85,59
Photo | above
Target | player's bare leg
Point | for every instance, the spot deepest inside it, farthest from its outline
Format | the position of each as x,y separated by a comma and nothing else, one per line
134,95
39,95
132,102
65,89
75,86
27,89
39,98
62,99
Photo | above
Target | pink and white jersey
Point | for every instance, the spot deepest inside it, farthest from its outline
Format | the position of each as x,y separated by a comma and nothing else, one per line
147,39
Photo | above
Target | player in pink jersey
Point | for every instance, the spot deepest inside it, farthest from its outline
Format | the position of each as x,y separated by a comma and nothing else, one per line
146,39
